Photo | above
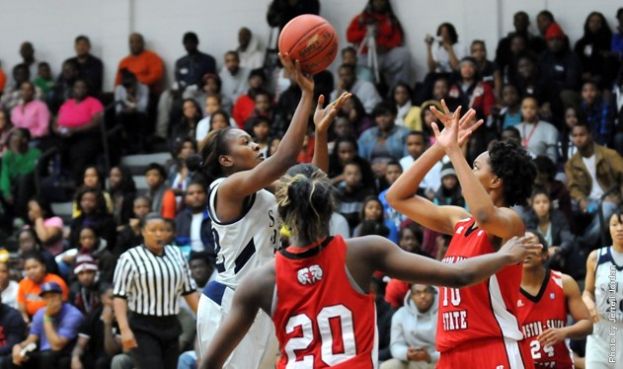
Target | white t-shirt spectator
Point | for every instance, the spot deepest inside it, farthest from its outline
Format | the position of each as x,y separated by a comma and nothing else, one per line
440,55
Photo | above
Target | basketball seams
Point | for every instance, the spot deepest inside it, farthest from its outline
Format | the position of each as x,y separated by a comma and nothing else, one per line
318,57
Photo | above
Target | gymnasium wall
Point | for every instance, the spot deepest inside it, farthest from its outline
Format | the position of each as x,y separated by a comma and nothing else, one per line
52,25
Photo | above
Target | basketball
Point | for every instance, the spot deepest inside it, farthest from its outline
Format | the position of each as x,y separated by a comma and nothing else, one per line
311,40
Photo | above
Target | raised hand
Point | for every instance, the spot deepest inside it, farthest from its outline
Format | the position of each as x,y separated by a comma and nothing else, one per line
293,70
520,247
324,116
467,124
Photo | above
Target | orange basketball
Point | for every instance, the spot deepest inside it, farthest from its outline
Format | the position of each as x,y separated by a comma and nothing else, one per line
311,40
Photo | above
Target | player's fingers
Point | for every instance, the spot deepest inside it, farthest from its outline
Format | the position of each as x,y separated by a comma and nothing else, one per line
435,129
439,115
320,102
444,106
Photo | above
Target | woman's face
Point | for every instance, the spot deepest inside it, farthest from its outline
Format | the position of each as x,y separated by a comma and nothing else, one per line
80,90
190,110
154,234
27,242
261,131
482,170
385,122
529,110
373,211
141,207
244,153
115,177
541,205
468,70
211,86
218,122
440,89
594,23
88,202
525,68
616,229
352,176
186,151
90,178
342,127
262,103
87,239
571,117
35,271
27,92
444,33
449,182
408,241
429,118
212,105
401,95
346,152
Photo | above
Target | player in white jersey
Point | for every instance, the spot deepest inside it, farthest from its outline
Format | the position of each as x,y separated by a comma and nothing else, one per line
245,225
603,295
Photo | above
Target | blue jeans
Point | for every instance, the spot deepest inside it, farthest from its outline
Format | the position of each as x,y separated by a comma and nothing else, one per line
187,360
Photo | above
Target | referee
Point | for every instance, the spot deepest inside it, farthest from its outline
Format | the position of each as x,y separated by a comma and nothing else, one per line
148,281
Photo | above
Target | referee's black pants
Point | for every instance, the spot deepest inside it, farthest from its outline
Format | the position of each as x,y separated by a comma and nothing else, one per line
157,338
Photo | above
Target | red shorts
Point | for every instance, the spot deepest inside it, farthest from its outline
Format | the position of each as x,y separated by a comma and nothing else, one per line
488,354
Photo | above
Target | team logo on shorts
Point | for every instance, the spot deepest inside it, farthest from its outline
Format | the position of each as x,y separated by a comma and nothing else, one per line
309,275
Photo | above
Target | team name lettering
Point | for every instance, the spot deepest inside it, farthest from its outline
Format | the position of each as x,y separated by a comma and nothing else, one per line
454,320
453,259
534,329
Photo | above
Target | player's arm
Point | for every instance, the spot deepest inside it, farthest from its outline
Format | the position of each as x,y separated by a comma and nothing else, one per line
500,222
242,184
323,119
250,296
583,325
386,256
588,296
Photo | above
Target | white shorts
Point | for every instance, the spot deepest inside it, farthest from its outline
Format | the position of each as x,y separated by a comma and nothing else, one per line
604,348
259,343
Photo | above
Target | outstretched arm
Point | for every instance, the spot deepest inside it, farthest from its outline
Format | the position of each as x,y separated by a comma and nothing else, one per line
242,184
323,119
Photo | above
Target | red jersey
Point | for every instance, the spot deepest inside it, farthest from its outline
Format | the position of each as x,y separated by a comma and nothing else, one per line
483,311
321,320
536,314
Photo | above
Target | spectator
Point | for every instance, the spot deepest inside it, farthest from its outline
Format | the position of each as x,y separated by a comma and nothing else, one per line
17,181
192,224
155,176
44,80
260,131
94,213
263,108
249,50
84,292
598,113
152,330
28,244
544,20
487,70
365,91
179,174
470,91
27,52
372,211
379,21
5,132
280,12
445,52
449,193
93,179
386,139
12,327
48,228
12,94
593,49
210,85
91,248
54,330
186,127
90,68
408,115
131,104
521,22
233,76
510,112
8,292
537,136
31,114
36,277
530,82
98,339
416,145
130,235
219,120
354,110
414,327
144,64
212,105
351,193
245,104
122,190
77,124
593,173
201,267
346,152
557,191
63,87
349,57
617,38
393,219
566,148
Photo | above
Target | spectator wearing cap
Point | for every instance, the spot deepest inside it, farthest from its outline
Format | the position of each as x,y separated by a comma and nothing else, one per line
146,65
386,139
98,337
149,280
29,288
54,330
12,330
245,104
84,292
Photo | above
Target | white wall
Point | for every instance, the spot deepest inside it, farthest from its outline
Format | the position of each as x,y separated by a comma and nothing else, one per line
53,27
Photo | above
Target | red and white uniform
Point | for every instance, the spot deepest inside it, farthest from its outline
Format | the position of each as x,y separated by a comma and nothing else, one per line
477,326
321,318
536,314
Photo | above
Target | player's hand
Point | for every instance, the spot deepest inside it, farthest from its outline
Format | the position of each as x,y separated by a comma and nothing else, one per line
592,310
467,124
520,247
323,117
552,336
293,70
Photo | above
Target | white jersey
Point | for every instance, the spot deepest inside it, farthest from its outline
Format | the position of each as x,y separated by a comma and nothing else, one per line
247,242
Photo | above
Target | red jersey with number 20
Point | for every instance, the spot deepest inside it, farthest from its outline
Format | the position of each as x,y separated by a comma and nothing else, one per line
321,320
483,311
548,309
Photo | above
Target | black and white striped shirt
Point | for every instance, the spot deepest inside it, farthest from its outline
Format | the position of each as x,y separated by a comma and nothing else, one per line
152,284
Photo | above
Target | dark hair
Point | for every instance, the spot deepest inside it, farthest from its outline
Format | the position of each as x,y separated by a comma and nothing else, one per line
21,66
362,214
591,82
547,14
583,123
479,42
605,33
127,185
23,132
149,217
413,227
544,164
405,86
142,197
98,172
234,53
92,229
100,201
372,227
211,148
369,9
348,49
257,72
127,78
104,287
384,108
305,201
158,167
417,133
179,143
619,12
514,130
538,190
197,182
220,112
454,37
350,67
43,64
215,77
513,165
538,235
35,255
190,37
44,204
395,163
82,38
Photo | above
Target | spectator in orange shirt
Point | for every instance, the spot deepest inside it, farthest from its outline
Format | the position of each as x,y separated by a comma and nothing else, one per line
146,65
379,19
28,299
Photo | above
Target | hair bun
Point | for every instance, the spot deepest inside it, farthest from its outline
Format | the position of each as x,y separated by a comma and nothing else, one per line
194,162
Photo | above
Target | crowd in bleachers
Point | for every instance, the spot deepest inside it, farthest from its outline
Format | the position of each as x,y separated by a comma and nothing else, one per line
62,140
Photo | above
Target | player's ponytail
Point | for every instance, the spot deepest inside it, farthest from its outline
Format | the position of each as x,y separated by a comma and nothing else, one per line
211,148
305,202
